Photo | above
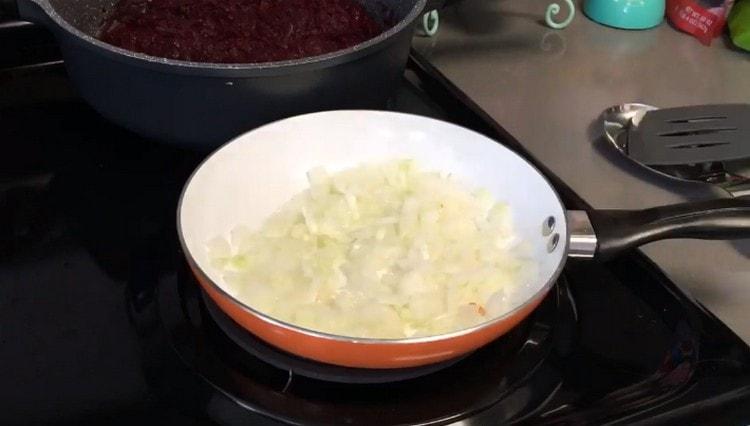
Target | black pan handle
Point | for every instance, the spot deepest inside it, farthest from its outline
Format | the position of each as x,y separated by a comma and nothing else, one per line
619,230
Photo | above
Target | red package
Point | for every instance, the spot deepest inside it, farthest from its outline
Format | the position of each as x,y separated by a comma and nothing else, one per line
703,19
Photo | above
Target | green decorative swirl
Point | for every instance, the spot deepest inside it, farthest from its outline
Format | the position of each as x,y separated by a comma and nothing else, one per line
554,9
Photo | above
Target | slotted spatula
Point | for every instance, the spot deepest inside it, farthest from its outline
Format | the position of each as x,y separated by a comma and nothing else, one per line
691,135
702,143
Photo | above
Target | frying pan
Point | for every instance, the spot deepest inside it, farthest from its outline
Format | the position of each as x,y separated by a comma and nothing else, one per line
247,179
203,105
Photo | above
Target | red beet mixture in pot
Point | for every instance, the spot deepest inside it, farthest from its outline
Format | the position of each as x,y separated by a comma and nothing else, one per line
238,31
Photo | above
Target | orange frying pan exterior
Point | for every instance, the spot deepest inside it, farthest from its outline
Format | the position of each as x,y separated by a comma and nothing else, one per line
378,354
268,155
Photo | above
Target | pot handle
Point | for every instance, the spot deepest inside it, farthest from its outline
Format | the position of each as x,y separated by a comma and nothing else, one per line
619,230
35,11
8,10
434,5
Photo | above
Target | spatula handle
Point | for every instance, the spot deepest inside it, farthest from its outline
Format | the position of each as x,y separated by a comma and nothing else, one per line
736,186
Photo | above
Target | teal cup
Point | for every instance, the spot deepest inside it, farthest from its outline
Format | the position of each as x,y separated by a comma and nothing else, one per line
626,14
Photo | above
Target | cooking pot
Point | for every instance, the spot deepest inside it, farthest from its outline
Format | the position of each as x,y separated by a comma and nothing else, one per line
204,104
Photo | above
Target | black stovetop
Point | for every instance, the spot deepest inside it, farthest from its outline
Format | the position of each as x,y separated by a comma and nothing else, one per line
101,323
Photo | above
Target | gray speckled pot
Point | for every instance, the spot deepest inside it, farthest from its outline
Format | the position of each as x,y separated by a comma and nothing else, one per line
201,104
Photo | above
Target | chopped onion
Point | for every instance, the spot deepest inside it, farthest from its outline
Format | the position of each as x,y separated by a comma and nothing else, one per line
379,251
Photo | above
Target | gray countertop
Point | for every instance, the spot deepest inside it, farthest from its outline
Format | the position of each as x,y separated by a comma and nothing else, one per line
548,87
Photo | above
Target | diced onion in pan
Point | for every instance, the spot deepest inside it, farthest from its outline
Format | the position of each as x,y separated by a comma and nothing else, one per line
379,251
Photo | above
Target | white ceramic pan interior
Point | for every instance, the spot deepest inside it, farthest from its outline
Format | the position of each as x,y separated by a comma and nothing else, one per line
249,178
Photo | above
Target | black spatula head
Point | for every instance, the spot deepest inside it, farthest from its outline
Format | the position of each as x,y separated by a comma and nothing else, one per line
691,135
703,144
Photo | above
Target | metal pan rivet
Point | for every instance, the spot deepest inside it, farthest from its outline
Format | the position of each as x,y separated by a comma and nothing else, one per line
548,226
552,244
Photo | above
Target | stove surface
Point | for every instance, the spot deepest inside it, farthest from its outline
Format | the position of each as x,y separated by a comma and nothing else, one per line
100,322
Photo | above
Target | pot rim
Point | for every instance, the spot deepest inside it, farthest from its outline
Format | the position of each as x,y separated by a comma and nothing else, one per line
258,68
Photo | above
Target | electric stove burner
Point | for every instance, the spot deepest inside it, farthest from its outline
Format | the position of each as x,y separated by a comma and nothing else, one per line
308,368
